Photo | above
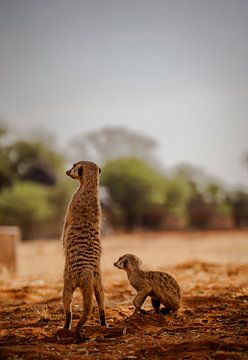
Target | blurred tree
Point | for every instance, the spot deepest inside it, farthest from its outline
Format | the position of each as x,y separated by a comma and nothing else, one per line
5,170
191,173
32,161
178,192
110,143
199,211
239,202
24,164
213,192
60,195
3,130
177,196
134,187
25,204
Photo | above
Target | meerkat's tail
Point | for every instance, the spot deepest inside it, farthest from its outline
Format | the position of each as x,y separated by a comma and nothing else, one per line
86,285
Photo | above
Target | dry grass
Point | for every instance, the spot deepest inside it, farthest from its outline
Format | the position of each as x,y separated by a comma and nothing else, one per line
43,313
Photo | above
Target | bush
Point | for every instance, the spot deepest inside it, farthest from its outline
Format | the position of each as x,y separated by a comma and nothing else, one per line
24,204
135,189
178,194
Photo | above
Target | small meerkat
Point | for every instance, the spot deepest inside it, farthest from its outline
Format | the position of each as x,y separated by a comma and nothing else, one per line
160,286
81,242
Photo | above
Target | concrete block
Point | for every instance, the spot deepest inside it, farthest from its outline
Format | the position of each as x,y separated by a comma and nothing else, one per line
9,238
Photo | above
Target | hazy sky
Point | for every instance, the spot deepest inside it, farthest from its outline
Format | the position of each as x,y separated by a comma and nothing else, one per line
174,69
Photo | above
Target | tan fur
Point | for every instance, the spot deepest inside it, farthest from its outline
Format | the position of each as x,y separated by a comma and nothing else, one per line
160,286
81,241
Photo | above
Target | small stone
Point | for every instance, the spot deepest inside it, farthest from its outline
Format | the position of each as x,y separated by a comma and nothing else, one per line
124,331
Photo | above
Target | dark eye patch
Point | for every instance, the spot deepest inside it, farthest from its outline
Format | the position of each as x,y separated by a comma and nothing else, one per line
80,171
125,263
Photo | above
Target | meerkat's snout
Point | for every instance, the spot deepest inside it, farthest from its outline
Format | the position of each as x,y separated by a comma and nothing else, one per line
70,173
118,265
121,263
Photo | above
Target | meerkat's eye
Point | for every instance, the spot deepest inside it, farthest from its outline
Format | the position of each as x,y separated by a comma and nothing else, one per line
80,171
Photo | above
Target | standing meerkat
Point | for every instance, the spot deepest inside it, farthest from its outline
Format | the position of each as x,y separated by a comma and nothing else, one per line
160,286
81,242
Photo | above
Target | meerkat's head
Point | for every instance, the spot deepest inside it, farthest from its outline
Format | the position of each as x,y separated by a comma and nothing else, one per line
82,168
128,262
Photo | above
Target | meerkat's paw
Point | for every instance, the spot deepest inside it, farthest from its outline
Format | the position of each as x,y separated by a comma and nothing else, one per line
106,325
103,321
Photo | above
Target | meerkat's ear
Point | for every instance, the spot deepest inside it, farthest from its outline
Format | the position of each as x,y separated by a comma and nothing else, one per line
80,171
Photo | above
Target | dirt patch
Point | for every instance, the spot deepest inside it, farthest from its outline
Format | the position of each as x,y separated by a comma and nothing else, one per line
212,323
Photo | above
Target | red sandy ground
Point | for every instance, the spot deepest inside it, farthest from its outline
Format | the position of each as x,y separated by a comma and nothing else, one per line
212,323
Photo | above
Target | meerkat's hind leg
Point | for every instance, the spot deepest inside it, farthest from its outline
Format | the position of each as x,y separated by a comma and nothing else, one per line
86,287
99,294
67,300
156,305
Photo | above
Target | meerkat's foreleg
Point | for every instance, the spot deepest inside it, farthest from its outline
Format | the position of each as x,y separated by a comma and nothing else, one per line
86,286
99,294
67,300
156,305
139,299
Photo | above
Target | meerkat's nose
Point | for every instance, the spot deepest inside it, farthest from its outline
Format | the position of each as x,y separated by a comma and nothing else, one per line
67,172
115,263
